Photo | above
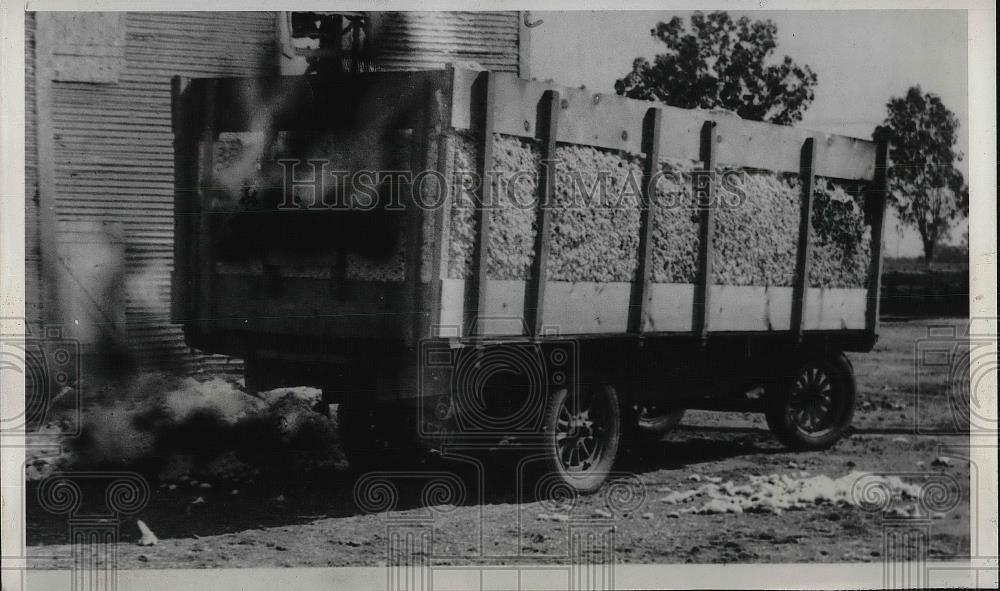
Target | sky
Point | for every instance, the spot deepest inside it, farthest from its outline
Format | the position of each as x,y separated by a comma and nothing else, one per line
861,58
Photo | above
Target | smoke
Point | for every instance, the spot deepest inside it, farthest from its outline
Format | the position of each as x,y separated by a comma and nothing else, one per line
169,427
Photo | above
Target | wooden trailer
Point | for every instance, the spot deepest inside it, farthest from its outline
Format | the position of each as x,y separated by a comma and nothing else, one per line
460,297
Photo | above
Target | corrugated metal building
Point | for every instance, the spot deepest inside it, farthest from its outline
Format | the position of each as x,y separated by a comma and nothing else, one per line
32,250
99,155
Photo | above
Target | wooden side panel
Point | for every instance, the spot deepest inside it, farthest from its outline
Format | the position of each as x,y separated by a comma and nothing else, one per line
670,307
570,308
739,308
452,312
835,308
614,122
755,144
503,312
751,308
601,308
587,307
304,307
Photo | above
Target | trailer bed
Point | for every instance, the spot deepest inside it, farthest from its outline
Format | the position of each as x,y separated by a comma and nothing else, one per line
439,280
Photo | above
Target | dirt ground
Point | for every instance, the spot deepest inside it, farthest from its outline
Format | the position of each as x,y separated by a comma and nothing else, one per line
905,425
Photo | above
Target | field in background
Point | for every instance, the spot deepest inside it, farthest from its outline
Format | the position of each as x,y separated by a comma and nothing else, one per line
911,288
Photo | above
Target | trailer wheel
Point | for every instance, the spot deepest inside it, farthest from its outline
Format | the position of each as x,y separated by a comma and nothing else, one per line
653,423
582,435
812,408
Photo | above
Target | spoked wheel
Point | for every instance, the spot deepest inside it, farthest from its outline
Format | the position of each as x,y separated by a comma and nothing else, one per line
811,405
582,435
813,408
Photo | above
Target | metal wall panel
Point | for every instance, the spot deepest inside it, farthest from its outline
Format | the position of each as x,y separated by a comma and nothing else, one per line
32,246
430,40
111,144
113,150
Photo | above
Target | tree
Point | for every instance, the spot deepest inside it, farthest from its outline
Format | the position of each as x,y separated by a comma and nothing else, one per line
721,63
926,189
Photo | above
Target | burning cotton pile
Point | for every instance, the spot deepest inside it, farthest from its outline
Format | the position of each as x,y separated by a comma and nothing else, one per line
775,493
210,429
250,170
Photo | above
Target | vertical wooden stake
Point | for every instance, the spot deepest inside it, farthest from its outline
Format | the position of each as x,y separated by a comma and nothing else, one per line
476,293
420,141
439,101
807,173
534,305
652,126
205,256
184,148
879,192
704,186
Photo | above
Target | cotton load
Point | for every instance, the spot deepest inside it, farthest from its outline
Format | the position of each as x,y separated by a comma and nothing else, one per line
595,236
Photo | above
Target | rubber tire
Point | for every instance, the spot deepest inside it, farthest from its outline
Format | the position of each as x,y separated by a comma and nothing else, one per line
592,480
778,396
655,429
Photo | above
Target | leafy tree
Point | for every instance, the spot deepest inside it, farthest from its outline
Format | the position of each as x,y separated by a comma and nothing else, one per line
717,62
926,189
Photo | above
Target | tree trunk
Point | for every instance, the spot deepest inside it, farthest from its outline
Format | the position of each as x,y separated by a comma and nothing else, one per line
929,244
927,226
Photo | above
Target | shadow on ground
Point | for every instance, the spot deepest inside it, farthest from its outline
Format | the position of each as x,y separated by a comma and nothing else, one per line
486,478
